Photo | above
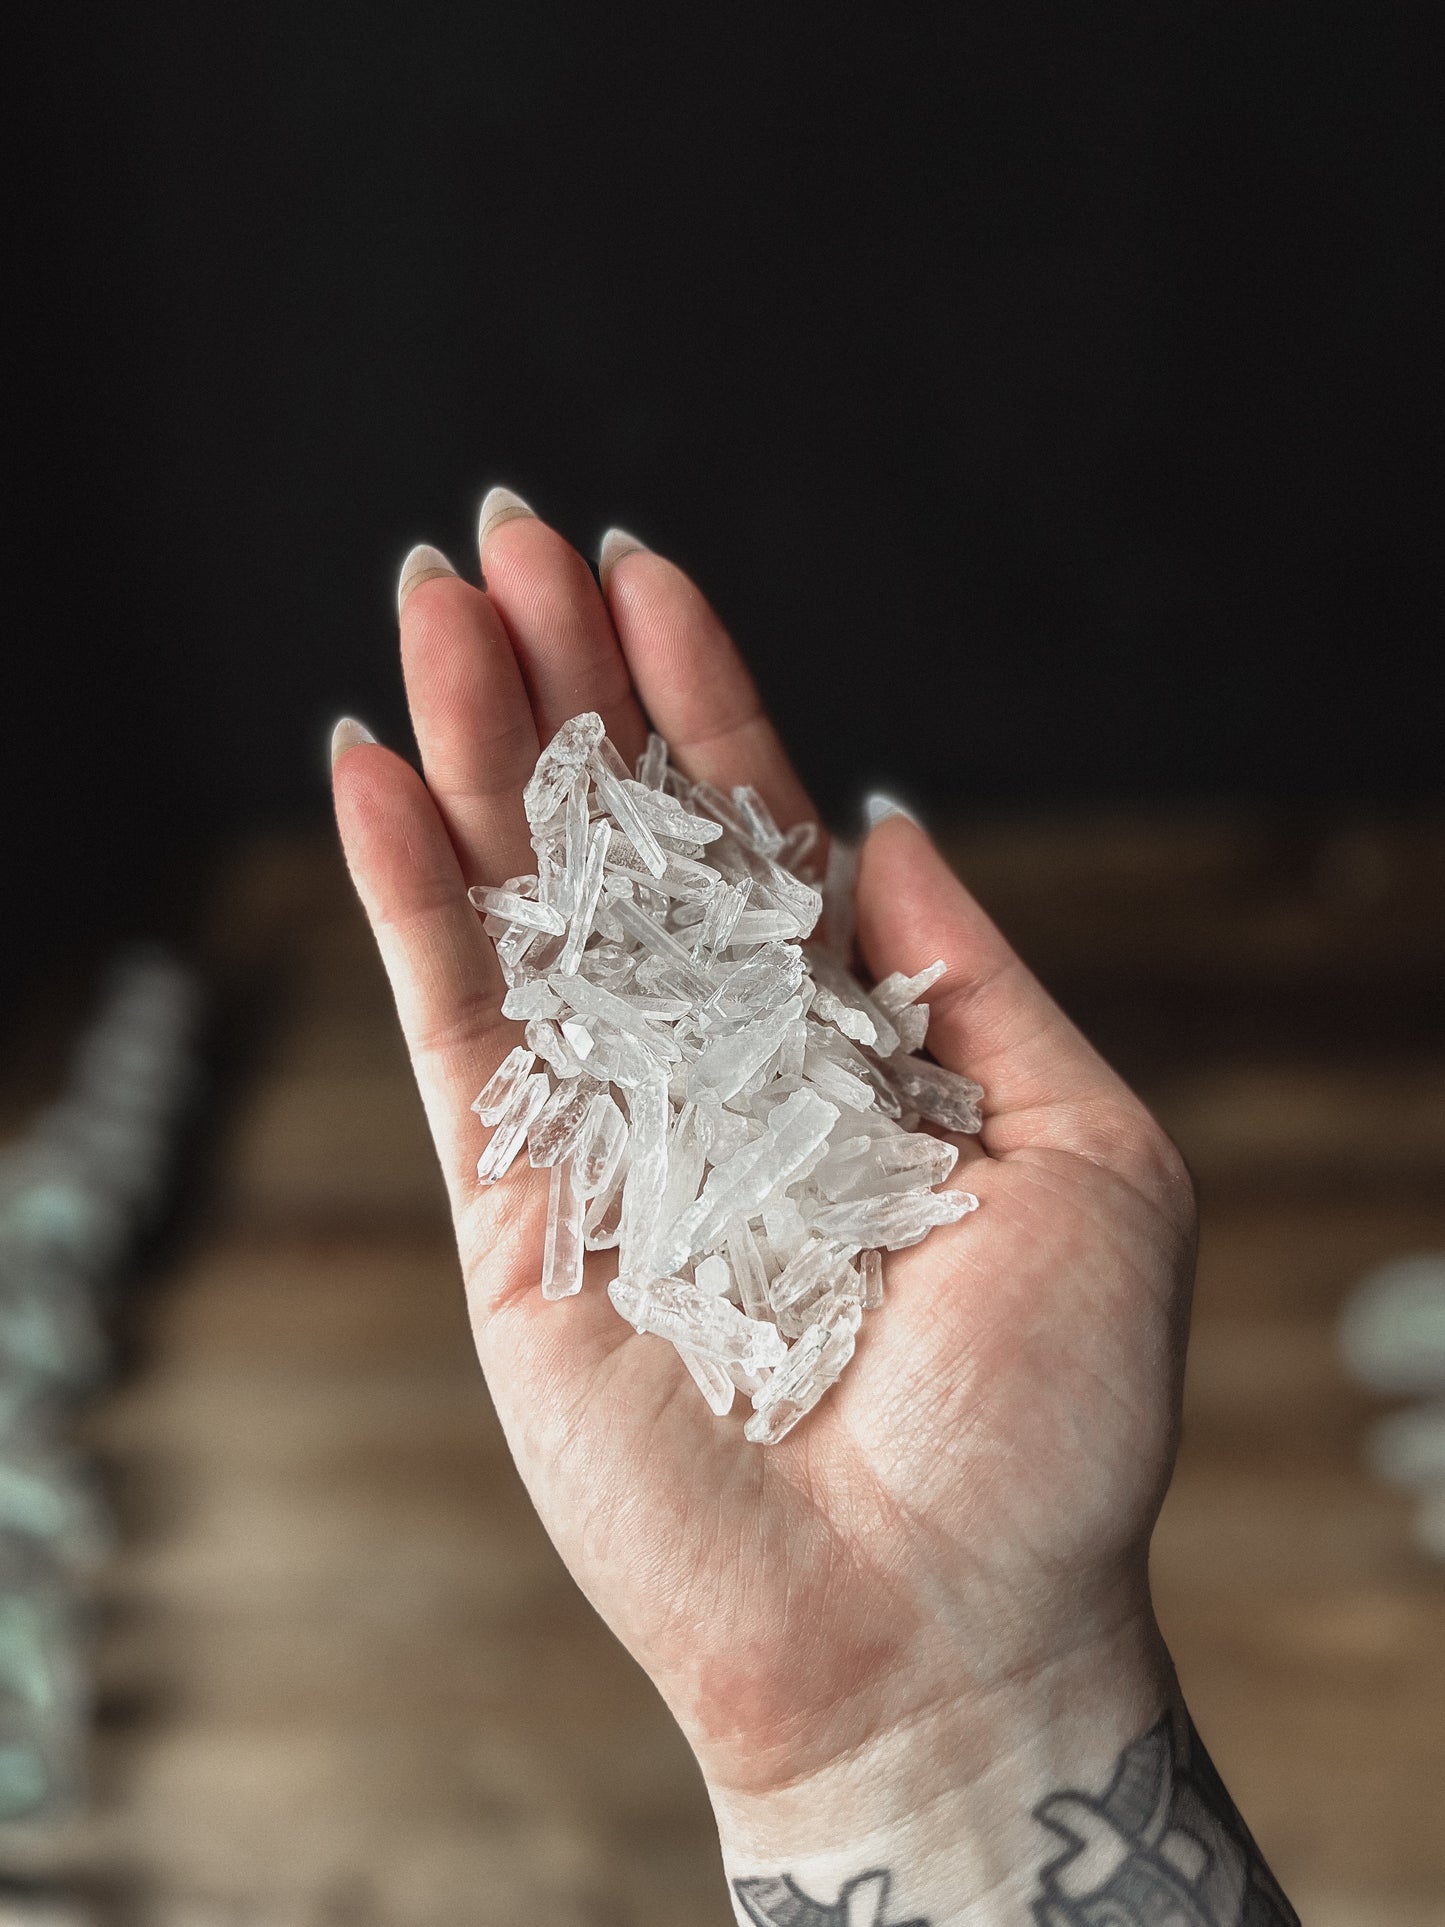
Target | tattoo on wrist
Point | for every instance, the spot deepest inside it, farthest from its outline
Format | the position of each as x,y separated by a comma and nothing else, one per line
1163,1843
779,1902
1162,1846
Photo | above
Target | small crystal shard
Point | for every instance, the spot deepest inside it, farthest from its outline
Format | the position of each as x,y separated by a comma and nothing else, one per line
684,1313
554,1130
562,1251
503,1084
712,1380
511,1128
896,992
517,909
940,1095
870,1269
598,1150
893,1222
720,1099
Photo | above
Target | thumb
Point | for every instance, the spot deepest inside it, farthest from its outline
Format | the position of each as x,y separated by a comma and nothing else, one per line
991,1018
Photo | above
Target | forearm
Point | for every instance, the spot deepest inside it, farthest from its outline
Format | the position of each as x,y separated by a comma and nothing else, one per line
1084,1797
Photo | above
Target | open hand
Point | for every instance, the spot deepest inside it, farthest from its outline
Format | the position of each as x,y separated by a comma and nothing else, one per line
957,1537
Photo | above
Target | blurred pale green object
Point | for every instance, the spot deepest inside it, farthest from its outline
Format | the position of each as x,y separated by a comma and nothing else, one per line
43,1703
1392,1329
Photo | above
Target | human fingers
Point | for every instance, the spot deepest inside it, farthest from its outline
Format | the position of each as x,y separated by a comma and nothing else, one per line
443,970
471,713
693,682
557,621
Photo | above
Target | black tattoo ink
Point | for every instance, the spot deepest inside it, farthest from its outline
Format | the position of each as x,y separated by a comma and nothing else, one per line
777,1902
1164,1846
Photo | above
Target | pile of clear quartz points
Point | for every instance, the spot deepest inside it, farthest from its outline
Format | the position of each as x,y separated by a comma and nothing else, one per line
729,1109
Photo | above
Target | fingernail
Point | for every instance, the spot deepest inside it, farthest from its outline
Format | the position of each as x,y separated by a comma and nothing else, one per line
424,564
878,806
499,505
614,545
348,734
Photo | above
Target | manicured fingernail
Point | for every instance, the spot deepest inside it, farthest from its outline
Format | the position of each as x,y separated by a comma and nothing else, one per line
424,564
499,505
878,806
615,544
348,734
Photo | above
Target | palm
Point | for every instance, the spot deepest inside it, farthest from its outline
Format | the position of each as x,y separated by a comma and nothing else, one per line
1009,1416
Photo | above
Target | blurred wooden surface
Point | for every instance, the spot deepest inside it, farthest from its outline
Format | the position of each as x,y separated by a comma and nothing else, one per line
345,1679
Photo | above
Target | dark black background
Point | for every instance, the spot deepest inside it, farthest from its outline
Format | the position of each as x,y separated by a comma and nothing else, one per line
1046,394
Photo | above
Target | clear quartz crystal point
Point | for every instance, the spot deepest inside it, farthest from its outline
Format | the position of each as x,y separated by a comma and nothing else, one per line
870,1267
712,1380
652,763
896,992
893,1222
720,1100
813,1364
688,1316
588,893
748,1270
598,1150
530,1000
512,1128
503,1084
562,1251
646,1174
554,1130
613,790
517,909
940,1095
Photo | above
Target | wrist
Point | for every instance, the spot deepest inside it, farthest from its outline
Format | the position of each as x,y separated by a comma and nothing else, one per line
943,1802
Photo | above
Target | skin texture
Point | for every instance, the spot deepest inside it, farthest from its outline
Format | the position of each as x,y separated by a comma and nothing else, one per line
966,1517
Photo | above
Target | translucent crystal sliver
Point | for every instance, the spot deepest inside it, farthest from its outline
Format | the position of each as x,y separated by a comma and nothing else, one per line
569,748
533,999
588,891
562,1251
517,909
674,1309
902,1161
598,1147
629,819
553,1047
658,939
940,1095
721,920
893,1222
511,1129
728,1062
711,1379
646,1175
814,1364
870,1268
852,1022
818,1267
746,1262
896,992
763,831
798,846
595,1000
503,1084
742,1186
652,763
554,1129
602,1226
668,818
